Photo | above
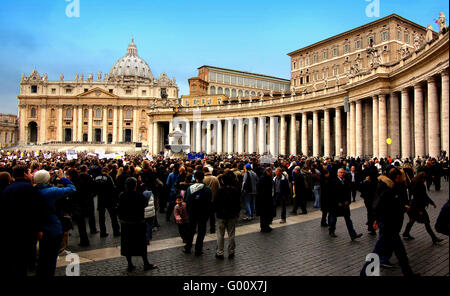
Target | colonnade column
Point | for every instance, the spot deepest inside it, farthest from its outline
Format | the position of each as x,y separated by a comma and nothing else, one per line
240,139
251,135
316,135
187,140
404,123
338,132
135,125
293,135
230,135
120,139
273,141
382,132
419,122
375,149
434,141
42,124
282,134
445,111
394,128
304,133
326,133
208,137
198,136
115,125
358,129
155,138
261,135
105,126
80,123
219,141
352,129
22,130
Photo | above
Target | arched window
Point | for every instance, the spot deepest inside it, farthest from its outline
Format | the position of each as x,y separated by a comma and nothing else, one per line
212,90
219,90
52,113
98,113
33,112
86,113
227,92
128,113
247,93
233,93
69,113
110,113
240,93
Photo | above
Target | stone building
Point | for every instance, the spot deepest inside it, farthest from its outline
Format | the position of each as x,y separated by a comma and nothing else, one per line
8,130
95,110
349,96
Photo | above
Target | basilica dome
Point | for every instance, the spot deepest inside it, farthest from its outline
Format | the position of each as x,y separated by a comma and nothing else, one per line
131,65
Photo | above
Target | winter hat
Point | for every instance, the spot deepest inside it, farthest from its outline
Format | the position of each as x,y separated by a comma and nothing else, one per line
41,177
248,166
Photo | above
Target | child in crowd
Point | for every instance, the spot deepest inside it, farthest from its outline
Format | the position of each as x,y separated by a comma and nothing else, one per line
181,217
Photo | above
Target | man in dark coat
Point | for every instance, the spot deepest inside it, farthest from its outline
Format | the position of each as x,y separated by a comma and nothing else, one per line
87,190
368,188
355,179
339,202
389,214
281,191
299,191
264,202
198,205
22,213
106,200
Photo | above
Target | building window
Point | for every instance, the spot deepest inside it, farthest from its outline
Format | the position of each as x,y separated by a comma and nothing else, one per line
325,55
301,63
34,89
233,79
68,91
86,113
110,114
335,51
53,90
314,59
203,101
301,80
33,113
307,62
219,90
370,41
247,93
219,77
399,35
128,114
295,82
227,92
86,89
346,48
358,44
69,113
110,90
336,71
98,113
233,93
209,101
128,91
226,79
144,92
407,39
293,65
212,76
307,78
240,93
385,36
253,94
212,90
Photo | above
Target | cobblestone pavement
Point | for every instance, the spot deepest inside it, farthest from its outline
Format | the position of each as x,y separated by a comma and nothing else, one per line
298,249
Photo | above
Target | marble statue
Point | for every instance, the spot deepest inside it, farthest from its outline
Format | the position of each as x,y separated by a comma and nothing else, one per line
99,76
416,41
90,77
81,77
429,36
76,77
441,23
61,77
45,76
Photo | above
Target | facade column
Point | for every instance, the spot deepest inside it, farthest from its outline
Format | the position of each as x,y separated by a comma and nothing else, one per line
105,125
155,148
282,135
434,141
120,139
75,123
272,135
261,134
115,126
293,135
251,135
230,135
43,124
59,129
419,122
170,130
326,133
382,121
240,139
208,137
187,140
90,124
219,145
375,149
404,123
305,133
80,124
445,112
338,132
359,129
316,135
135,125
198,136
394,128
22,120
352,129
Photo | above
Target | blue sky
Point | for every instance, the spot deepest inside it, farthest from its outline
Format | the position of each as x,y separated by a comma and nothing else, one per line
175,37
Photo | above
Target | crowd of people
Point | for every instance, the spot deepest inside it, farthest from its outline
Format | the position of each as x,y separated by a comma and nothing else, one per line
44,195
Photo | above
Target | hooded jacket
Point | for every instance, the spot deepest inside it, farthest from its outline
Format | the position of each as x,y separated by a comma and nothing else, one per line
388,206
198,201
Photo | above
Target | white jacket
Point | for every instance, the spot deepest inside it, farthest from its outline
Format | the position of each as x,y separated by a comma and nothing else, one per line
149,210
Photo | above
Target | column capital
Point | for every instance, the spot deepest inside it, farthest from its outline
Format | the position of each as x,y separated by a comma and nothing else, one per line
405,91
418,85
444,72
431,79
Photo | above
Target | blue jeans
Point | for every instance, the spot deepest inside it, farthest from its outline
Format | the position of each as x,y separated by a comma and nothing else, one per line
149,224
316,192
332,224
250,204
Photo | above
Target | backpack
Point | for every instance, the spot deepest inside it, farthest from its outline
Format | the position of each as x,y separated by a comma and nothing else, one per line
248,183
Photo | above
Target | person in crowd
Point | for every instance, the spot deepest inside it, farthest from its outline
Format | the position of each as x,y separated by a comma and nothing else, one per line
133,240
417,211
443,221
198,204
149,213
213,183
172,181
339,203
227,208
265,204
355,180
106,201
181,218
52,231
281,191
299,190
325,193
250,189
316,185
87,190
389,214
